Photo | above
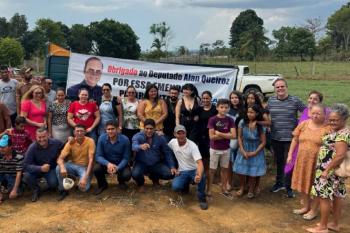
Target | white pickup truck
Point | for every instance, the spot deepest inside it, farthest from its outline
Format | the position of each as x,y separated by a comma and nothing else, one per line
257,82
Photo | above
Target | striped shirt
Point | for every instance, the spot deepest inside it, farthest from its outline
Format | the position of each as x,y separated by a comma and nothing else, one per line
284,116
12,165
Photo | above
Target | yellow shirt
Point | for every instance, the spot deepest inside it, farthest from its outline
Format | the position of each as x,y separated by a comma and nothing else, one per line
79,153
153,112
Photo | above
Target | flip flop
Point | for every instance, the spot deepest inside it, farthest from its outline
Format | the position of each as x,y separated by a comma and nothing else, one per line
299,211
330,227
250,195
314,230
309,217
240,193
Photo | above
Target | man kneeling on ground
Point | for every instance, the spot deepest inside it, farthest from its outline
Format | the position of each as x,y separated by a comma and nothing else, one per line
80,153
191,168
112,157
150,148
40,161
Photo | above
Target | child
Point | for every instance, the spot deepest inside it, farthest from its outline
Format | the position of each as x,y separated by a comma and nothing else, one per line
19,136
221,130
250,161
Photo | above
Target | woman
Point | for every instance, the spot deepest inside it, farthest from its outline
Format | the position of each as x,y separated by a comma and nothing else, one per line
308,135
251,99
110,109
187,111
152,107
84,113
328,187
57,120
130,121
33,109
206,111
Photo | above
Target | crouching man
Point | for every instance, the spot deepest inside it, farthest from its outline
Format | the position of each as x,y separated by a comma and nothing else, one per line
191,170
112,157
76,159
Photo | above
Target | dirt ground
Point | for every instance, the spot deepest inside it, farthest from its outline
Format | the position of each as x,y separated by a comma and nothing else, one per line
128,211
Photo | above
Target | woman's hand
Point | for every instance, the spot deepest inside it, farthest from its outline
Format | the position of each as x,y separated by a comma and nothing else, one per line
324,174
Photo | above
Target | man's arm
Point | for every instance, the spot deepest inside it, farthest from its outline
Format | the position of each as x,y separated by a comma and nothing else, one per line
60,160
136,145
199,171
165,149
126,155
229,135
28,163
91,158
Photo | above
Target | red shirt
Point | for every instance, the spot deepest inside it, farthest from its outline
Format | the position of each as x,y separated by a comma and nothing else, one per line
20,140
83,114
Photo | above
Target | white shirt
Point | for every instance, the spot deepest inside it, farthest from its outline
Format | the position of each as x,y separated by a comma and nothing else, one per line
186,155
8,94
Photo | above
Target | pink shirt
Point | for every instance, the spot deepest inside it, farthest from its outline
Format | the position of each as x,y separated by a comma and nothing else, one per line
34,114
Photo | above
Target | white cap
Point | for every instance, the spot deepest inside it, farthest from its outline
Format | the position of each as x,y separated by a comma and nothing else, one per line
68,183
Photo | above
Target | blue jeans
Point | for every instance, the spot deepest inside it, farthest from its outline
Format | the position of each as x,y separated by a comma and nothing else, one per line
156,172
72,170
10,178
183,180
31,179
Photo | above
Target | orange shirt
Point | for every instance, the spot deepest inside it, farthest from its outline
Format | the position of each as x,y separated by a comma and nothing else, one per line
79,153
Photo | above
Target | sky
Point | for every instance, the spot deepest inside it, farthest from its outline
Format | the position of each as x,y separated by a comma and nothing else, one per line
192,22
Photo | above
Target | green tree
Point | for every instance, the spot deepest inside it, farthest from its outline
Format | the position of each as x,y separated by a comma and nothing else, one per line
253,43
339,27
302,43
33,42
11,52
245,21
79,39
218,47
204,49
182,50
162,36
4,27
325,46
114,39
283,37
50,31
18,26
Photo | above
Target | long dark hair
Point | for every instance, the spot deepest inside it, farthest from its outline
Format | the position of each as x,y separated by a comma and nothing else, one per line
256,97
240,106
148,88
259,117
191,87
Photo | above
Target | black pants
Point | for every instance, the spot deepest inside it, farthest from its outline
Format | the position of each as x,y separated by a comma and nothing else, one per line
280,150
100,172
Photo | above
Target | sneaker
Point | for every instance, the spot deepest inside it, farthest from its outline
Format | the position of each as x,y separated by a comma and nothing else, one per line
203,205
100,190
276,188
62,195
290,193
35,196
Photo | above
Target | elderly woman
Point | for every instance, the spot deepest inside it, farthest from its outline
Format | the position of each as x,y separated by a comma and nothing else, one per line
152,107
84,113
33,109
57,120
328,187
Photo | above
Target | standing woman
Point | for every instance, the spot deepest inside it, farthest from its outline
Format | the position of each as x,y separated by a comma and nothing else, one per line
328,187
57,119
84,113
206,111
33,109
130,121
252,98
110,109
187,111
152,107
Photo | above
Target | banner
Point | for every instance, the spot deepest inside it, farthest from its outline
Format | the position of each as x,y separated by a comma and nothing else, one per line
121,73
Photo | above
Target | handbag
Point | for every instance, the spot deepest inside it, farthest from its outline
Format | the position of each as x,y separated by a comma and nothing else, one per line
344,168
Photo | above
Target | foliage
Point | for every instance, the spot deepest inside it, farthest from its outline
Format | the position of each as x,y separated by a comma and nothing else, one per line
182,50
204,49
339,27
11,52
32,43
79,39
50,31
18,26
114,39
162,36
325,46
253,43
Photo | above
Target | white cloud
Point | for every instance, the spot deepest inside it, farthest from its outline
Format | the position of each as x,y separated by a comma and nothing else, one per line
93,7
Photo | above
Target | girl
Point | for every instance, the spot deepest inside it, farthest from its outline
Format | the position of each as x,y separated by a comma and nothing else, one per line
253,98
250,161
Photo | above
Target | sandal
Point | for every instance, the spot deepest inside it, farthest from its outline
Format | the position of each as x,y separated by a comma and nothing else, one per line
331,227
239,193
316,230
309,217
250,195
300,211
227,195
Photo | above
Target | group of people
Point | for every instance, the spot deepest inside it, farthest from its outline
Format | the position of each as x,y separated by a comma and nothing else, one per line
91,132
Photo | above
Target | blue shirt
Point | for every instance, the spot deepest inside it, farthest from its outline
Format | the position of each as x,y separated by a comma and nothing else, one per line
36,155
94,92
117,153
153,155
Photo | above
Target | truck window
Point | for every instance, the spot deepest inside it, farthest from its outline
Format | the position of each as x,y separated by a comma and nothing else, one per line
246,70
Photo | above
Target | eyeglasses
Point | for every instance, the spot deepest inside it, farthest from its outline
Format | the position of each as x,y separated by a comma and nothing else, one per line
37,93
106,89
131,92
93,72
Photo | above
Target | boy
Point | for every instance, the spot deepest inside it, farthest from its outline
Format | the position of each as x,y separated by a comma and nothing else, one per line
221,130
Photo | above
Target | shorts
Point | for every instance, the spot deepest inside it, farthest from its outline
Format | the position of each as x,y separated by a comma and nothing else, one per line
222,156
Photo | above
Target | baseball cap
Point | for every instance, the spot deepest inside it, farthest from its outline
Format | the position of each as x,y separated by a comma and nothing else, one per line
179,128
68,183
25,69
4,141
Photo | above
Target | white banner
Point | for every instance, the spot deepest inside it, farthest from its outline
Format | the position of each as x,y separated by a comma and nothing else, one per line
121,73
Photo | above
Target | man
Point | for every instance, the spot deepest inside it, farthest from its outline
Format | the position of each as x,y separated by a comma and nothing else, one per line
8,92
10,167
24,86
171,102
92,71
112,157
191,168
50,94
40,161
283,110
79,153
5,121
150,148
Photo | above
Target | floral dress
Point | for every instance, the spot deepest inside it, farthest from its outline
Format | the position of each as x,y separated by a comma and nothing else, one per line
333,186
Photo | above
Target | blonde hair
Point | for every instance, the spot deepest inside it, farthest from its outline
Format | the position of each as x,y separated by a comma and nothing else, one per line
29,94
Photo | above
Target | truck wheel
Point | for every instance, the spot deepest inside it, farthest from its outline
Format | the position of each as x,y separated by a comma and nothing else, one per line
251,89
